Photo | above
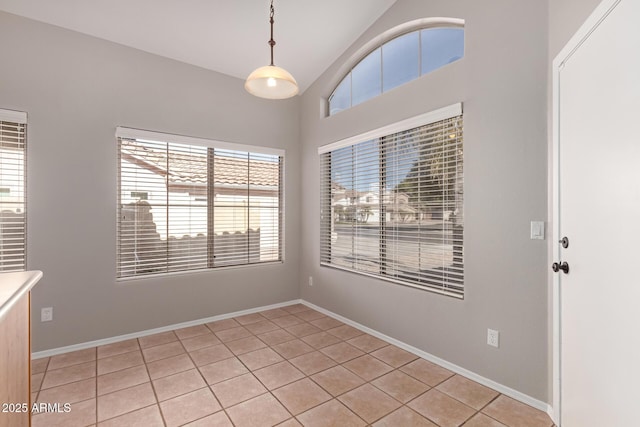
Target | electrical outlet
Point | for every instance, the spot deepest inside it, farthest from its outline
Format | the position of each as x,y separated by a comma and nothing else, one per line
493,338
310,280
46,314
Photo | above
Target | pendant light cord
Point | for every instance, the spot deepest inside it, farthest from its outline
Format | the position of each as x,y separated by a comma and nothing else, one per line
272,42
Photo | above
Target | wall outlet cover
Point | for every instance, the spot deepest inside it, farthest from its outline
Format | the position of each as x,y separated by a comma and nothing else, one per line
493,338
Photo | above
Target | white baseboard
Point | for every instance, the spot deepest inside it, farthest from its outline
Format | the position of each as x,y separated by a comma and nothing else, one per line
105,341
507,391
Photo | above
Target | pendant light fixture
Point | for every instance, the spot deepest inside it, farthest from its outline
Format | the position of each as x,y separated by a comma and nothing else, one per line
271,82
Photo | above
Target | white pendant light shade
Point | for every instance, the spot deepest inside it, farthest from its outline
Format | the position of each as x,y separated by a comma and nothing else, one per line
271,82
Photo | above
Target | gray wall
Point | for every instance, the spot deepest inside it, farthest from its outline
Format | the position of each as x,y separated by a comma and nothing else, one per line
565,17
76,89
502,82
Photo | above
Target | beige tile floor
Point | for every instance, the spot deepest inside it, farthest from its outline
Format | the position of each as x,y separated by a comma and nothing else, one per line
289,367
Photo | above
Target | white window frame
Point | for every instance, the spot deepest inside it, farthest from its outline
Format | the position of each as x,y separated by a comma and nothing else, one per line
125,133
327,219
417,25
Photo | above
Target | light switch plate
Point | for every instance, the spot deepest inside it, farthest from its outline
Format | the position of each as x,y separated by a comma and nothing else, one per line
537,230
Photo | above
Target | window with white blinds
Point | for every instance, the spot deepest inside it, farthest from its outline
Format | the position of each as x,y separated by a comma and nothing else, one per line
188,204
12,190
392,203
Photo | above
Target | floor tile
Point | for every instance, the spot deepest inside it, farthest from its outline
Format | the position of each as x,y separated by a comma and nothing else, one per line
260,358
157,339
81,414
116,348
228,335
342,352
337,380
310,315
123,401
200,341
189,407
207,355
481,420
260,411
169,366
313,362
276,337
249,318
273,313
219,419
178,384
326,323
468,392
277,375
302,330
192,331
69,393
245,345
320,340
262,327
513,413
291,349
427,372
36,381
394,356
404,417
345,332
238,389
291,422
121,361
122,379
367,343
38,366
162,351
68,375
441,409
147,417
221,325
331,413
301,395
369,403
222,370
72,358
295,308
367,367
287,321
400,386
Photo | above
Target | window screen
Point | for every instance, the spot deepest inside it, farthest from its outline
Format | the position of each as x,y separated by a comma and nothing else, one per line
187,207
392,206
12,191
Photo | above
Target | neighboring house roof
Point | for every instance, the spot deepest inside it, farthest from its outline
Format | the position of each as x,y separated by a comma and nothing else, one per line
191,169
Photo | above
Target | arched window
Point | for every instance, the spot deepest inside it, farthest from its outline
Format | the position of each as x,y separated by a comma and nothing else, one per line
398,60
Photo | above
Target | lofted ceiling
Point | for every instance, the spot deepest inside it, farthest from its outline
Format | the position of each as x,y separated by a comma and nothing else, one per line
228,36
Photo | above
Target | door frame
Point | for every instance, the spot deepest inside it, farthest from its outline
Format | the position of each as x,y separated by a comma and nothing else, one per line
583,33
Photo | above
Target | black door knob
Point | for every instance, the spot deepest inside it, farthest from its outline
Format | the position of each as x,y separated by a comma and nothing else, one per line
560,266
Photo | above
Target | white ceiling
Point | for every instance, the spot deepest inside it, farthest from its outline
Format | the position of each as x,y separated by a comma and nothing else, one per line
228,36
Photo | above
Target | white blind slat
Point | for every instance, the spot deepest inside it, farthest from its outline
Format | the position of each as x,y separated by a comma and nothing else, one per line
12,190
188,207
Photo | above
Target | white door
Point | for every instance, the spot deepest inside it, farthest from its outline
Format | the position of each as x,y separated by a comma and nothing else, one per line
598,188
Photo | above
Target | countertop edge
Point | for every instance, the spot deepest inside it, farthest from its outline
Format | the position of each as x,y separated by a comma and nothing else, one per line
28,282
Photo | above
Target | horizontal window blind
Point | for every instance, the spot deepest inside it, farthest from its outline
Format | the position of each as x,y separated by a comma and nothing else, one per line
187,207
392,206
12,191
